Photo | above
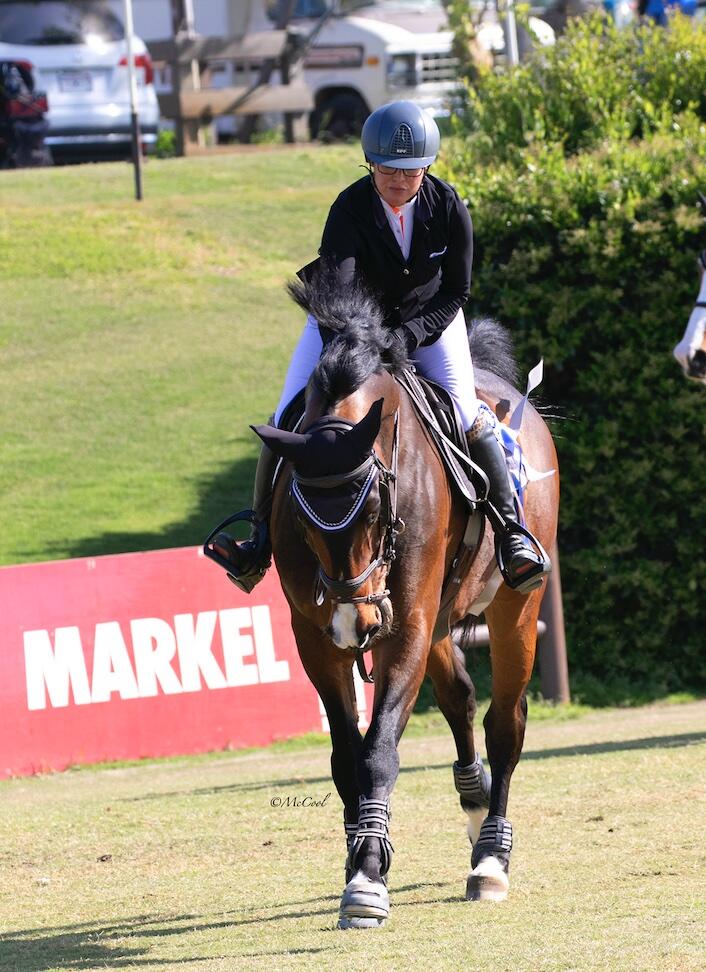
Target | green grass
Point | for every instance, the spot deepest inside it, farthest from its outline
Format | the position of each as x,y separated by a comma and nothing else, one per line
138,341
186,864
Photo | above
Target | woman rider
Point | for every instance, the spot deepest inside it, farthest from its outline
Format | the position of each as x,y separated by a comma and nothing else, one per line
410,238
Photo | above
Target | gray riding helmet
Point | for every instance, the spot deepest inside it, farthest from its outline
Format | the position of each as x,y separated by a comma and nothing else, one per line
402,135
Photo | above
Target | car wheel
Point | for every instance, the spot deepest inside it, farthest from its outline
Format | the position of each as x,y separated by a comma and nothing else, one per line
339,117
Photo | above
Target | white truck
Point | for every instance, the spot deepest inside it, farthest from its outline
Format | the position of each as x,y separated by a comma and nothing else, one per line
362,53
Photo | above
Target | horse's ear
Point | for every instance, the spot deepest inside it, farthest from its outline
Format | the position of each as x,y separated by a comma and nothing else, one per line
363,435
702,203
287,445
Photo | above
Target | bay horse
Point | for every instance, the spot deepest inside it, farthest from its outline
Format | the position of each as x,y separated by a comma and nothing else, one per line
365,527
691,350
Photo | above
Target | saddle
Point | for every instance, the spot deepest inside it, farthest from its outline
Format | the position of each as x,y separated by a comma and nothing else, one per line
439,417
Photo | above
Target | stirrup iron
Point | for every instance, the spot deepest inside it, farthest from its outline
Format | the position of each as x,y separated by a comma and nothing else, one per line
532,578
247,579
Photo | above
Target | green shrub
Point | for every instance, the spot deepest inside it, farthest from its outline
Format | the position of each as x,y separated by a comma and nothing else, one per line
166,144
598,82
590,260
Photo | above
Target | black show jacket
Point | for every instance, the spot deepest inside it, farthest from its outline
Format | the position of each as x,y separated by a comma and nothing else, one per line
420,296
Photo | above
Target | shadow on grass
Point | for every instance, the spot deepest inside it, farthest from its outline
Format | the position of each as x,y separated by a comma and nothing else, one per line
224,493
589,749
92,944
86,946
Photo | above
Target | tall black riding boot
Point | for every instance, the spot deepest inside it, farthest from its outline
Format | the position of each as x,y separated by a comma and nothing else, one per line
250,558
524,562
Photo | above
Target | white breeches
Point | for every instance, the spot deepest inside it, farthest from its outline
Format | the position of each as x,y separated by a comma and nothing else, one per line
447,362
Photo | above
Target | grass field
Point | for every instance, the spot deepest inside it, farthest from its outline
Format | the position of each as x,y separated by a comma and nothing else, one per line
186,864
138,341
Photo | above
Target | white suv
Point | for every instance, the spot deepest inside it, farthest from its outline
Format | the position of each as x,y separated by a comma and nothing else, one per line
78,54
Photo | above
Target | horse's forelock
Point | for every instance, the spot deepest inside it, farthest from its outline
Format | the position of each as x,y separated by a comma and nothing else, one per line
357,344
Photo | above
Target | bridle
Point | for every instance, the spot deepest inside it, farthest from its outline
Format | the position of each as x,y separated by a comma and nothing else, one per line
373,469
702,261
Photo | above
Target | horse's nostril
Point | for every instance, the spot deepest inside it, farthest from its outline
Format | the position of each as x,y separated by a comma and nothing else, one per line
697,365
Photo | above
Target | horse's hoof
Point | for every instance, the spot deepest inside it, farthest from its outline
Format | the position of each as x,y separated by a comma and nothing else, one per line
487,881
346,923
365,903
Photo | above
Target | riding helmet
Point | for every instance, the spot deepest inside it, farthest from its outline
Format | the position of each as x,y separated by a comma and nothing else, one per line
402,135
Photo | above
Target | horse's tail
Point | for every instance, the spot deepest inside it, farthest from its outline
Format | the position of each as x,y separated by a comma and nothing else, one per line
492,350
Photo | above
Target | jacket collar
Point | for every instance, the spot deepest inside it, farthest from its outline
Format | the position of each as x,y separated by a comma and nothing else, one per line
422,214
426,197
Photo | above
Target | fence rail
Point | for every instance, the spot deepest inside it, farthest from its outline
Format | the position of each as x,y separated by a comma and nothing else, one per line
191,103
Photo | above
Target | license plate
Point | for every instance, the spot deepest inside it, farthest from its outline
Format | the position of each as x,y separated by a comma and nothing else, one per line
75,81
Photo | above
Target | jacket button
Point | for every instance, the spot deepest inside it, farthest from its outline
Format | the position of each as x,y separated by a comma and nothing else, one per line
405,272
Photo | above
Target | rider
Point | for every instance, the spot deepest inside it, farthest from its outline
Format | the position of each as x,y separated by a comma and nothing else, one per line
409,237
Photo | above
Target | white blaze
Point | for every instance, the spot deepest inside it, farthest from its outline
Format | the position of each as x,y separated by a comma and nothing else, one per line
343,633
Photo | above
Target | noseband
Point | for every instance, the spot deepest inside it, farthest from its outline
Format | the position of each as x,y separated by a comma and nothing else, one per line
372,468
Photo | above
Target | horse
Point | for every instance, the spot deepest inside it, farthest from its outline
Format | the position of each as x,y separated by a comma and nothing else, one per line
691,350
365,528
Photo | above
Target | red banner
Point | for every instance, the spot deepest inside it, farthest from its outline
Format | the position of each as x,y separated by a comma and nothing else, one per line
148,654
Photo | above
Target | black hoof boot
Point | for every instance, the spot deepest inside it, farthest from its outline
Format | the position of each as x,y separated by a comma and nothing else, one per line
490,862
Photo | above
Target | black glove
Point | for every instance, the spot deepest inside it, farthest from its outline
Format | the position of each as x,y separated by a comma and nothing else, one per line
402,335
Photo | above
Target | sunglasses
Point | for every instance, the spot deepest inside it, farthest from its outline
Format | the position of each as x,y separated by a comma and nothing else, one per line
389,170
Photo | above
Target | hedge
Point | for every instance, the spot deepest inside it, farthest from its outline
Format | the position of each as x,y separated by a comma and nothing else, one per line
588,255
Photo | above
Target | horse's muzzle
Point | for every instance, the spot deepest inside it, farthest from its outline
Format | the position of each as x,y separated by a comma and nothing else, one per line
356,626
696,366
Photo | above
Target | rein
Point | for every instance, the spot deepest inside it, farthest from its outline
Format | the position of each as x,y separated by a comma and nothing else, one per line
343,591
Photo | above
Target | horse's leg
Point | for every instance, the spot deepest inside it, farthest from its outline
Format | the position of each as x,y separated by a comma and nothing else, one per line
399,668
512,623
331,674
456,697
